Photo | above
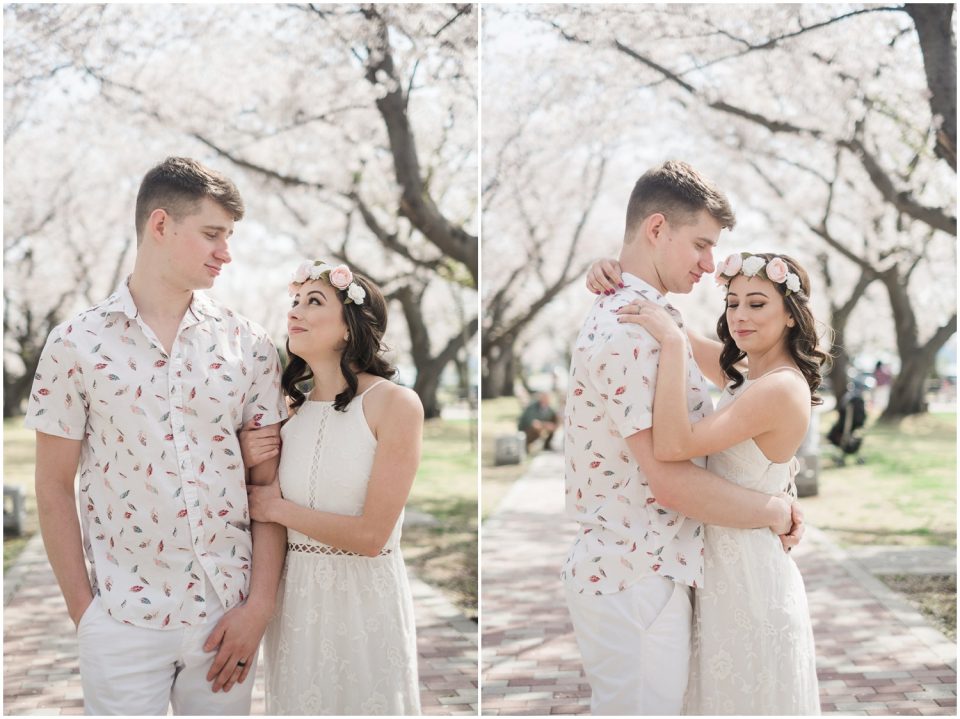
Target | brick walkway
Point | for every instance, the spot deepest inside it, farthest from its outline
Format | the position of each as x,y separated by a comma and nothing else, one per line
40,671
875,654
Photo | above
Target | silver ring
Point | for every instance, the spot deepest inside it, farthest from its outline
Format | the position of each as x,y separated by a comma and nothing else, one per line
241,663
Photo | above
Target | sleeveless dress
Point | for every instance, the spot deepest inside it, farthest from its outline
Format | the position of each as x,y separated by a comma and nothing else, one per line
753,648
342,640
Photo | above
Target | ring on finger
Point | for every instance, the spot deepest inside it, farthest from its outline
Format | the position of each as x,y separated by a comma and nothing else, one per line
241,663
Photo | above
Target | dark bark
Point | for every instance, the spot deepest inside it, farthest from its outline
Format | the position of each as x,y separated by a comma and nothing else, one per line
429,367
416,203
16,389
934,23
498,371
907,394
28,337
839,316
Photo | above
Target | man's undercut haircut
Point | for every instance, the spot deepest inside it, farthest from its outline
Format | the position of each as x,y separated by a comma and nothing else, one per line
679,193
178,185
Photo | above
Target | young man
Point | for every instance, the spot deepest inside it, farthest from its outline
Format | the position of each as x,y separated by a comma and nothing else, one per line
637,555
144,394
538,420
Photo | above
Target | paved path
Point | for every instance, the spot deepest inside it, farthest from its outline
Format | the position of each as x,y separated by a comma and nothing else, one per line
40,670
875,653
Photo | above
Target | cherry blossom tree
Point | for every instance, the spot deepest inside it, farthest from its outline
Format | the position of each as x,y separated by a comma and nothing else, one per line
832,128
350,129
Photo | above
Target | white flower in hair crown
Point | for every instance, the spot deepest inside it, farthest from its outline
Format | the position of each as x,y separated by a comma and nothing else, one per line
339,276
743,263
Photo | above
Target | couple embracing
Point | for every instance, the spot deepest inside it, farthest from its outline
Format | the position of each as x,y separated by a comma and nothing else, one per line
200,533
683,594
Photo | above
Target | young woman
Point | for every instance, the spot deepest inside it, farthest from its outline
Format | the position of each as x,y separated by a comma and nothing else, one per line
342,640
753,650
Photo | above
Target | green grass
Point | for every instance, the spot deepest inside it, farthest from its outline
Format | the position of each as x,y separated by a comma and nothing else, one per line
905,493
18,452
446,487
497,416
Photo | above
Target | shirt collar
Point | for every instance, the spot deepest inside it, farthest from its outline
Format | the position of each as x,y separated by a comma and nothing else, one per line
121,300
649,292
645,288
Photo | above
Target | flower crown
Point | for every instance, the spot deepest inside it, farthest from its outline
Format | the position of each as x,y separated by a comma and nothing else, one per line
776,270
339,276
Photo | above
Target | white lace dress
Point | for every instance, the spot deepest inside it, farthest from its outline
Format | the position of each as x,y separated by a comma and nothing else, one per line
752,638
343,639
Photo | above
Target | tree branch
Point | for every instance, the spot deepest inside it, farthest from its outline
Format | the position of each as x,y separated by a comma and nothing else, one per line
416,204
902,200
934,25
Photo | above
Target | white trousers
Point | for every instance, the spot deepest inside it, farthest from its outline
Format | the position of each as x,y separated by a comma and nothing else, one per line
128,670
635,646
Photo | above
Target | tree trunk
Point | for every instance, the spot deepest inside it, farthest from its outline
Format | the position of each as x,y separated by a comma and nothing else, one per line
463,378
934,23
498,370
839,365
839,315
907,394
426,386
16,390
429,367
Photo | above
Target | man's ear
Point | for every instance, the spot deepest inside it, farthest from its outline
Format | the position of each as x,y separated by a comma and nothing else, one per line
654,227
158,224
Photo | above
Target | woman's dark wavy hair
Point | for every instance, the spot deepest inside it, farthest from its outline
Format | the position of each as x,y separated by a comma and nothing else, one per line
801,339
366,324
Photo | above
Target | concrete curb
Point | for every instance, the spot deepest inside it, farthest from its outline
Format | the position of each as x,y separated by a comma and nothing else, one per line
896,604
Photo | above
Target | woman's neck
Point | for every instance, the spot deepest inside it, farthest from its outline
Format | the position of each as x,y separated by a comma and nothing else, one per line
328,379
760,363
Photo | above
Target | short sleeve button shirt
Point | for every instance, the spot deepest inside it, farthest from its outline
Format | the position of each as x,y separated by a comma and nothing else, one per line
162,494
623,534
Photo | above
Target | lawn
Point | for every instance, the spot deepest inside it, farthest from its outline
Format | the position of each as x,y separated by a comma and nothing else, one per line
444,555
904,494
497,417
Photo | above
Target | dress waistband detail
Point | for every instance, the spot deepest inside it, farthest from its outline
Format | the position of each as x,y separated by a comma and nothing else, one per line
325,549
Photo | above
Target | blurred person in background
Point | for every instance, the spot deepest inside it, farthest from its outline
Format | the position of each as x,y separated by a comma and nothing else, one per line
539,420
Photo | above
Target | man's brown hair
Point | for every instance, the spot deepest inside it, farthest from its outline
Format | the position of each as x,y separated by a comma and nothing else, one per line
678,192
178,184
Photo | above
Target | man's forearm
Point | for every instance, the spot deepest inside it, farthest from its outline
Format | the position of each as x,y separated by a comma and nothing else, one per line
269,546
60,528
704,496
269,550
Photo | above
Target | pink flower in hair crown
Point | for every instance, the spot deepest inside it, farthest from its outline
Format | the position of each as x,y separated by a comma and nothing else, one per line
341,277
302,272
729,268
777,270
